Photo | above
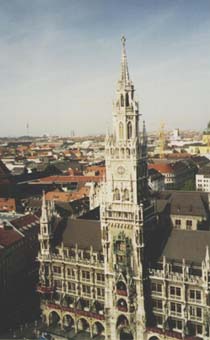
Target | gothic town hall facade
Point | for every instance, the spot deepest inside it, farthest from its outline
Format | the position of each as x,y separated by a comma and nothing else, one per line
142,269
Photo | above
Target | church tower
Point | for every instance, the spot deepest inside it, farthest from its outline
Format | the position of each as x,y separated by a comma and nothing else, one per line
125,212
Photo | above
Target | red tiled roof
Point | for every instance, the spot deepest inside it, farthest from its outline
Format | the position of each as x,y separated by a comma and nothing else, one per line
8,237
163,168
69,179
67,196
7,204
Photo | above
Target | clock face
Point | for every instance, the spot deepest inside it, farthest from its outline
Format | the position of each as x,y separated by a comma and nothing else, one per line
120,170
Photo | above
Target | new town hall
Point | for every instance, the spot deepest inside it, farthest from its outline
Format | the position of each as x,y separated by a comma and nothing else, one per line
142,270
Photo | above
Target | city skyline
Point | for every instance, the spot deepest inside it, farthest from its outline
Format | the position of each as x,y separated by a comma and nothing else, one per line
58,64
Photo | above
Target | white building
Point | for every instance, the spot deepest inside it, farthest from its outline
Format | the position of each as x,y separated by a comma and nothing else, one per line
203,180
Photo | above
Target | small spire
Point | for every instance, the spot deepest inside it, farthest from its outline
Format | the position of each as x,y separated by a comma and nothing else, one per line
44,213
144,132
124,64
43,199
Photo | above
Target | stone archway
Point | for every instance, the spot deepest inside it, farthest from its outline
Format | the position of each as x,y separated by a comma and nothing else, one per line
68,322
123,328
54,319
98,328
83,325
126,335
154,337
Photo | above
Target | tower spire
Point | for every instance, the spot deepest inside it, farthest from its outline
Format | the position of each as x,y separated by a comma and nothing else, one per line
124,64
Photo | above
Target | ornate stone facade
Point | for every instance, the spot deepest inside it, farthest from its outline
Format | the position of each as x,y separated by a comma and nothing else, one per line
129,275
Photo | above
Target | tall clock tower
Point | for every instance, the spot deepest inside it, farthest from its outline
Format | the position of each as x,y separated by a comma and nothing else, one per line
125,213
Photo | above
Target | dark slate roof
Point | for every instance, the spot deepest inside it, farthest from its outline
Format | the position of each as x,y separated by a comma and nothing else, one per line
205,170
75,207
161,204
154,174
93,214
188,203
190,245
84,233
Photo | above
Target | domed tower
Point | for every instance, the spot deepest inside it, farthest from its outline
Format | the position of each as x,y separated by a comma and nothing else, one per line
206,135
125,213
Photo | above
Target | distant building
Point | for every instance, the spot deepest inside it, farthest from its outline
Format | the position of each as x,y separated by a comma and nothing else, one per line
176,174
202,148
203,179
187,210
206,135
156,180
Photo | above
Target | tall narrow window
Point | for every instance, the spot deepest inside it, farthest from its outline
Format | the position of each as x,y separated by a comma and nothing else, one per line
126,99
122,100
126,195
116,195
121,130
129,130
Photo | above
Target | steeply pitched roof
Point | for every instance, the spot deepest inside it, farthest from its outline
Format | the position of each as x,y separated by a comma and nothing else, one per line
84,233
188,245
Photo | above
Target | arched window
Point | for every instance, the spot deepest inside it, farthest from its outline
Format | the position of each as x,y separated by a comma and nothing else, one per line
122,152
117,153
122,321
122,305
121,288
126,195
122,100
129,130
54,318
117,194
126,99
121,130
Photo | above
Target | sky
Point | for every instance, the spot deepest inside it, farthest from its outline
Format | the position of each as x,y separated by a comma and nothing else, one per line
60,61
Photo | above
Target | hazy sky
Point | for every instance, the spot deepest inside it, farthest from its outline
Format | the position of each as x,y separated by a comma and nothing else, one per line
60,60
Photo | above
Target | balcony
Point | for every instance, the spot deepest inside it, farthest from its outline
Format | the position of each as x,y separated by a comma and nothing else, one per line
44,290
175,313
97,316
171,334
